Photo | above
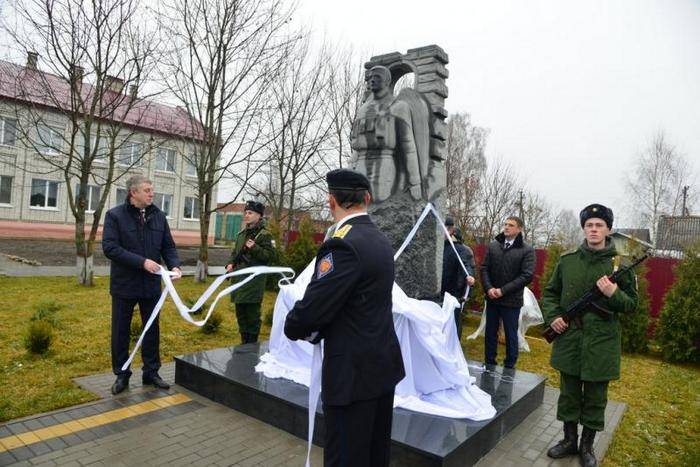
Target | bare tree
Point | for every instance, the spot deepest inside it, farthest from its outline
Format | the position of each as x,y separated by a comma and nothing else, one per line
464,167
92,51
497,197
347,89
537,216
303,124
223,57
657,181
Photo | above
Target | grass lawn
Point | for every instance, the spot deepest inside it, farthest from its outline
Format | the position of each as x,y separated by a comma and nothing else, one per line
659,428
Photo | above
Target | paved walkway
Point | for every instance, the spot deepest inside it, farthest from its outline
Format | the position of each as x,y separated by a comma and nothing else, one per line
145,426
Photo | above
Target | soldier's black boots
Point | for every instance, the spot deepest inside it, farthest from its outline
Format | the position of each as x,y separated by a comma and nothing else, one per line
120,384
568,445
586,454
156,381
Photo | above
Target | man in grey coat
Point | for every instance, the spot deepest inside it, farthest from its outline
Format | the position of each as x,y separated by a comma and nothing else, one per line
507,268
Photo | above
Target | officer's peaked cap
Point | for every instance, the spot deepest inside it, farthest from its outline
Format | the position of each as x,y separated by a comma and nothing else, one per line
346,180
599,211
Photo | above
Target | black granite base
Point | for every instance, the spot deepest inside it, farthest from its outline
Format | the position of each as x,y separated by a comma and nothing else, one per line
228,376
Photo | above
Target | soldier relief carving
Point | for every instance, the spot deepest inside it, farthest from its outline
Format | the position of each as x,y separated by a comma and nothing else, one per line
398,143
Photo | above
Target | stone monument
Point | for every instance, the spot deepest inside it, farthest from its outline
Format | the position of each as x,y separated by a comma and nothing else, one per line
398,141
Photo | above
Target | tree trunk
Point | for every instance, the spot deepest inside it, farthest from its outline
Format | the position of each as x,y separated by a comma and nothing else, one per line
202,270
83,262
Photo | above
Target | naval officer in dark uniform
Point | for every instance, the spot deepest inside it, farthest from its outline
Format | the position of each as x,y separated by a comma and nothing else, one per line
348,303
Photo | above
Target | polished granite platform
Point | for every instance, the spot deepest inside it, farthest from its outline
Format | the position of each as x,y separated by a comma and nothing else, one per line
228,376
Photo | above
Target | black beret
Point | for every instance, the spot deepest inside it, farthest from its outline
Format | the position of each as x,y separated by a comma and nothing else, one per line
599,211
449,221
346,179
255,206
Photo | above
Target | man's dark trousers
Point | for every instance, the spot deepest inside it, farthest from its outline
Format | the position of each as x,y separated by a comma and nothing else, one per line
510,318
359,434
122,312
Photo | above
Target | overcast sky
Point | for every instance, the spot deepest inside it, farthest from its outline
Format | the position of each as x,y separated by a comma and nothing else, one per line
571,90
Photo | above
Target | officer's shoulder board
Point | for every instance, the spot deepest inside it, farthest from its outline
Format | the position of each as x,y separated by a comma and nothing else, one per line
342,232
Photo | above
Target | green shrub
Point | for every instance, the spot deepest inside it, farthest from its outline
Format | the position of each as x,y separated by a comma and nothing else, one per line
303,250
189,303
213,323
554,252
39,337
267,318
46,311
136,328
678,333
636,324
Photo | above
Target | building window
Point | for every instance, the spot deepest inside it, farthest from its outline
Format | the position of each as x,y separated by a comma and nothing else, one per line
130,154
49,142
101,151
165,160
8,130
92,197
191,208
44,194
190,168
5,189
121,195
164,202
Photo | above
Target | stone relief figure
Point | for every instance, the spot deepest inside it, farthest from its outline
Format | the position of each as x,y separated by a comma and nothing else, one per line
390,140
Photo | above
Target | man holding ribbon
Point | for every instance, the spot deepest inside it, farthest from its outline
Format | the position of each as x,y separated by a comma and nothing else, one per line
136,236
348,303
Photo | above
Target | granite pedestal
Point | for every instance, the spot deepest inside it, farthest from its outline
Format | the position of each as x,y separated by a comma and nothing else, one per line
228,376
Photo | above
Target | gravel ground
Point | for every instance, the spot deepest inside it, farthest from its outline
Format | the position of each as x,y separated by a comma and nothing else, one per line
60,253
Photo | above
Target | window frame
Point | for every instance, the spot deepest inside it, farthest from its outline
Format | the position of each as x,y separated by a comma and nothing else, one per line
168,214
132,161
42,148
188,163
3,123
193,207
90,197
168,151
47,188
6,177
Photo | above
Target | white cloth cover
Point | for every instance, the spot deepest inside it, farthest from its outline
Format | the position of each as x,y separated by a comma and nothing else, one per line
530,315
437,378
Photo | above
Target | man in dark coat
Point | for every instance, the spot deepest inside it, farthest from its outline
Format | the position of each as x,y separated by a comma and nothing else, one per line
136,236
253,248
587,354
349,304
507,268
454,279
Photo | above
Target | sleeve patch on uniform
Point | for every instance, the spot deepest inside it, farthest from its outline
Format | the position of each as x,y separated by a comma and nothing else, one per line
343,231
325,266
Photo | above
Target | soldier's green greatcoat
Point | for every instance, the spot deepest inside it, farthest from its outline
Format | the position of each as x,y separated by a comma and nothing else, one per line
260,255
591,353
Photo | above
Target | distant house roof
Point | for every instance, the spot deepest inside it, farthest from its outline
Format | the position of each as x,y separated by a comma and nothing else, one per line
39,88
641,234
677,232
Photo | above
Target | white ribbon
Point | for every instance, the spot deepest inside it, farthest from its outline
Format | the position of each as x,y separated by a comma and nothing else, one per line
317,360
252,272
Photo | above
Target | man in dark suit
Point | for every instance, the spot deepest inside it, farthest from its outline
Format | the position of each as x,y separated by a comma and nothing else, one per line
135,237
349,304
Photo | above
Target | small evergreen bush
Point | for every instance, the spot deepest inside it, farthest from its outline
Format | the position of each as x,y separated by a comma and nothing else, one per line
213,323
300,253
39,337
678,333
636,324
46,311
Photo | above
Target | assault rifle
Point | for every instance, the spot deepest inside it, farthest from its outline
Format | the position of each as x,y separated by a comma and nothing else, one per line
576,310
253,235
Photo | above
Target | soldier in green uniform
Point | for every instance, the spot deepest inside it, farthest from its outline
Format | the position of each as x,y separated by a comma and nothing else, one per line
587,354
254,247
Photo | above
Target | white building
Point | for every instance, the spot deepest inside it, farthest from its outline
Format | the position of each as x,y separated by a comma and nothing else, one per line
157,142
